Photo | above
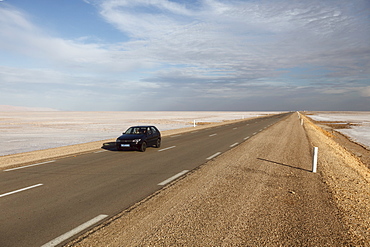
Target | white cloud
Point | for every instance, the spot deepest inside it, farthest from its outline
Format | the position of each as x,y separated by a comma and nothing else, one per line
19,35
233,49
238,34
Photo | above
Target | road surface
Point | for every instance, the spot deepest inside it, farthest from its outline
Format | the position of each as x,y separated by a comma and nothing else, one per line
48,203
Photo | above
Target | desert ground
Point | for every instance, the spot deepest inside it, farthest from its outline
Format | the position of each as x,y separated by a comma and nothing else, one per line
249,196
260,193
355,124
38,130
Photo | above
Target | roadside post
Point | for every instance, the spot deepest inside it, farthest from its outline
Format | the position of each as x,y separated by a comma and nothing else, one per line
195,123
314,161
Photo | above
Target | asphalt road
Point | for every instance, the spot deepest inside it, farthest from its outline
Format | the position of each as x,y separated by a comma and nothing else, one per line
47,204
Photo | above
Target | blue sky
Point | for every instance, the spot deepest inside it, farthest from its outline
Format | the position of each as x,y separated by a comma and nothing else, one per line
112,55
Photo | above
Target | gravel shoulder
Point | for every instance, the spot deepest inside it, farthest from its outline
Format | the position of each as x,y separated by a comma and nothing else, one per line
344,169
260,193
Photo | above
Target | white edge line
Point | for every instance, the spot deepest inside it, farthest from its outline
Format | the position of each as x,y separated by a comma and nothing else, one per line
16,191
17,168
166,148
245,138
233,145
75,231
211,157
100,151
176,135
173,177
213,134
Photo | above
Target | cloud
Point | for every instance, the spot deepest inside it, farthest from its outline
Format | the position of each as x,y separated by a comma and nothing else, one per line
240,36
19,35
206,49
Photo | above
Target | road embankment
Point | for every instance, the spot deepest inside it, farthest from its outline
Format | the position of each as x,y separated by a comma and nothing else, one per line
347,178
260,193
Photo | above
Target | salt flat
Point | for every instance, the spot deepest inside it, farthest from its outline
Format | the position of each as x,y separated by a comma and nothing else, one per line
360,121
29,130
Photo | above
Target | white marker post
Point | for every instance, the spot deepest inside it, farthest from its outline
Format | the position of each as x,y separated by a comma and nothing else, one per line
195,123
314,161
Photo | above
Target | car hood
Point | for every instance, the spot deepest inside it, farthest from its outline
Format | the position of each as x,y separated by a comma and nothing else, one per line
130,137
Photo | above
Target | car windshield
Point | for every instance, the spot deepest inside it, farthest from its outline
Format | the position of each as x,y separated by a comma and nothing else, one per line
136,131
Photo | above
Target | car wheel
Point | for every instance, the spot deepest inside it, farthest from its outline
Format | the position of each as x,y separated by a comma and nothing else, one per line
158,144
143,147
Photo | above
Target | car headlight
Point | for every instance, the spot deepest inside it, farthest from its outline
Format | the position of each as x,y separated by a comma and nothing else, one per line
136,140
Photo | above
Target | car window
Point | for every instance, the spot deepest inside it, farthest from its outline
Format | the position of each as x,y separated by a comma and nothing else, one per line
135,131
149,131
154,130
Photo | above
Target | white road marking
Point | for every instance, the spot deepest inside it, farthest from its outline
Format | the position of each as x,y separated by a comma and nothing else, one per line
235,128
100,151
16,191
212,156
233,145
75,231
17,168
254,133
213,134
175,136
173,177
166,148
245,138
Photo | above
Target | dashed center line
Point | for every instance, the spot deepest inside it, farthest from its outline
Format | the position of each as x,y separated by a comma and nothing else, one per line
213,134
100,151
20,190
17,168
75,231
245,138
166,148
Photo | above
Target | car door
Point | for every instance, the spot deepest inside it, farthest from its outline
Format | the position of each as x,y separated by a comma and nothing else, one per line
150,138
156,135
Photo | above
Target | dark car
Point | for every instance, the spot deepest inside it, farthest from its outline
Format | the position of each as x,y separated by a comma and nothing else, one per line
139,137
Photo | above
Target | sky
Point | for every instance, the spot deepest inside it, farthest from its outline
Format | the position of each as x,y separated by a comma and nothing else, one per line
185,55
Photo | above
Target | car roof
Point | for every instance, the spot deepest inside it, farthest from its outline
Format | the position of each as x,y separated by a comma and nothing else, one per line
142,126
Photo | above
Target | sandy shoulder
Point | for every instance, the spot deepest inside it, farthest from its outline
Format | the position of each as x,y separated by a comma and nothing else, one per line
348,178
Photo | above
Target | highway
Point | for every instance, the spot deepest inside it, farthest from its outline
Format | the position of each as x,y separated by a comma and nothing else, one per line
48,203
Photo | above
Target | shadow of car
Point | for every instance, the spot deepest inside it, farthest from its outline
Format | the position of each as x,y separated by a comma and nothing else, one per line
139,138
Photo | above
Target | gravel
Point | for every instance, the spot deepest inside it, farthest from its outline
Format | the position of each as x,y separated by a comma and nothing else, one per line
260,193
